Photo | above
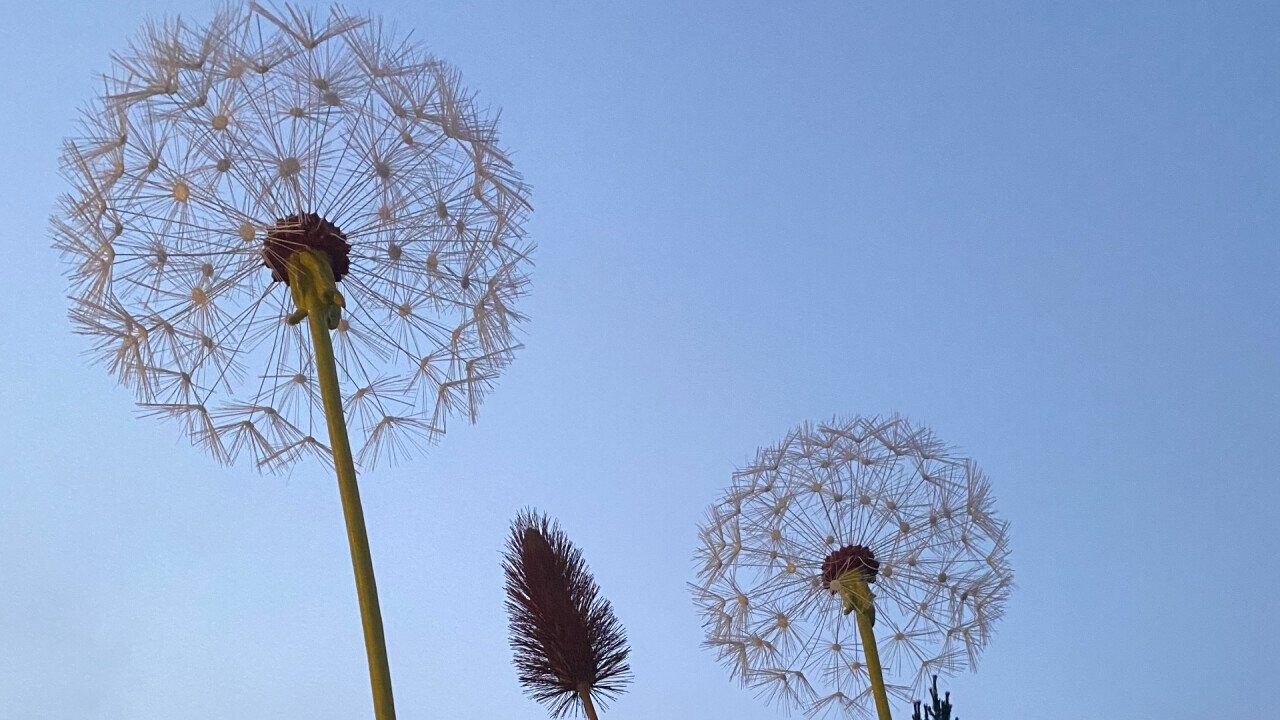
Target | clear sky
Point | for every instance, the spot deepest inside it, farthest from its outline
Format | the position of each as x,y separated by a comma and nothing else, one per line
1048,231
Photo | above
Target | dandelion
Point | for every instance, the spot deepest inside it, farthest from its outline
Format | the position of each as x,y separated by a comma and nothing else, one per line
811,526
570,650
275,166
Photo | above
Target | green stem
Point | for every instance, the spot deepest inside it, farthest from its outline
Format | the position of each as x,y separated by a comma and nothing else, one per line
317,298
859,598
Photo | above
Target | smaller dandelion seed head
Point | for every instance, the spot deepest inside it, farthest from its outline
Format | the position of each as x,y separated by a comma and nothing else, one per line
289,167
220,122
246,232
394,251
223,165
181,191
297,113
876,514
433,262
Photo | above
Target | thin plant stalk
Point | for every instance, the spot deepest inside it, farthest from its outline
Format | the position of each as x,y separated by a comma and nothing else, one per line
588,708
318,300
859,599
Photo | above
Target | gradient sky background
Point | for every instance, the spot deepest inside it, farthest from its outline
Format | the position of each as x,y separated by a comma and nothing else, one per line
1049,231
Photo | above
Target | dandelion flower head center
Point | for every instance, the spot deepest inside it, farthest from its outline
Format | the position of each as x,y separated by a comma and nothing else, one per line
307,231
848,559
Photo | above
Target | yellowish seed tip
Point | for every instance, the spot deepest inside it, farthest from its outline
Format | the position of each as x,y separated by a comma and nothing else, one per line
181,192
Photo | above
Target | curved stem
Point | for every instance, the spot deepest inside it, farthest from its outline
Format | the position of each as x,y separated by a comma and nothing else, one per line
311,281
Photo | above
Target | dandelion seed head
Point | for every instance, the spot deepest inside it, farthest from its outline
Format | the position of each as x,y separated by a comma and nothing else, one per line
776,549
218,150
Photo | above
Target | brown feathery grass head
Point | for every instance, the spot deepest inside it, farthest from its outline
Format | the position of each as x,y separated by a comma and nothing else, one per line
565,637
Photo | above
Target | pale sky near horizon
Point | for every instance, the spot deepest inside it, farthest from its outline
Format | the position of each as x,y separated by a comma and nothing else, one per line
1048,231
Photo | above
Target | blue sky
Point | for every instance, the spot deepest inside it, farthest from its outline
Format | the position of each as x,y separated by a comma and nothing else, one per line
1048,231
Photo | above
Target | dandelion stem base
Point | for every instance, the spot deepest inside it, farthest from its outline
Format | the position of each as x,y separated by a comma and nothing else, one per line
318,300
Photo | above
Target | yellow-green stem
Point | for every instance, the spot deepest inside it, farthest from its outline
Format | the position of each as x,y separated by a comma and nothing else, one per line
588,708
857,597
317,298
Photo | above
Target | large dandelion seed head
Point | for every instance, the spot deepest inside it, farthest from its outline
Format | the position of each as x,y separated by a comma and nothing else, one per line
216,151
869,495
